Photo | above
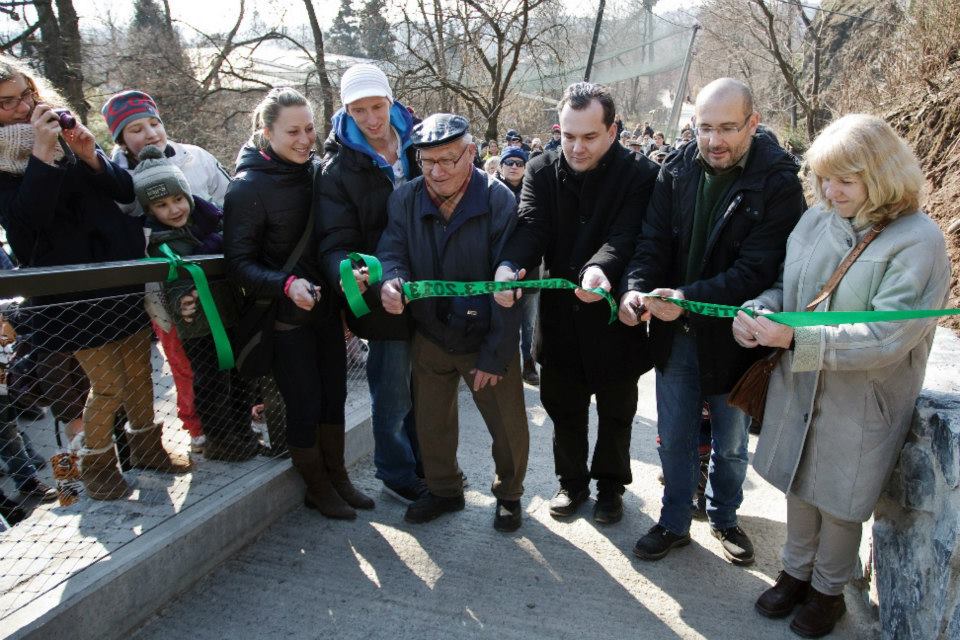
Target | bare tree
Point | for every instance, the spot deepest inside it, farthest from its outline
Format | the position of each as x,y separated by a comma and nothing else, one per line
471,50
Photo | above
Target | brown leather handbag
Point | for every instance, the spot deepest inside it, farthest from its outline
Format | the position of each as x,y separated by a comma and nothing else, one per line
750,393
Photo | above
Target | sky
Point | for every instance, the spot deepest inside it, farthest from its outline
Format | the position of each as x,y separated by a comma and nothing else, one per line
219,15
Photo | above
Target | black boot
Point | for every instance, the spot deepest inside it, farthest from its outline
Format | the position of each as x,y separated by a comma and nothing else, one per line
779,600
320,493
818,615
332,443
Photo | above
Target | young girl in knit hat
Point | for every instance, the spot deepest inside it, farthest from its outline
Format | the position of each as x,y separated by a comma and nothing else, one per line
190,225
134,123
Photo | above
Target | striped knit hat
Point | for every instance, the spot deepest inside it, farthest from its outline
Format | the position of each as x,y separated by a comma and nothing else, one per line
125,107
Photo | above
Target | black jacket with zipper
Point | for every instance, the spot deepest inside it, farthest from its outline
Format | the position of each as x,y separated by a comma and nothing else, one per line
573,221
744,251
265,214
350,214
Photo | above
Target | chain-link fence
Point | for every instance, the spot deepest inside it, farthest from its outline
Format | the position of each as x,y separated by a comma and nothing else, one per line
112,423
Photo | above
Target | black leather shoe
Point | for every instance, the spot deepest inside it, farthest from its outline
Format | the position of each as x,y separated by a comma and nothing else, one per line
508,515
736,546
429,507
779,600
658,542
566,502
818,615
609,508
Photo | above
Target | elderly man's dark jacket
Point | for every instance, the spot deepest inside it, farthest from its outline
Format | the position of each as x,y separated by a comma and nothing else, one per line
744,250
418,244
573,221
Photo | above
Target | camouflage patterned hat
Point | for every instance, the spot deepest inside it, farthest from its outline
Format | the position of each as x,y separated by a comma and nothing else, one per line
439,129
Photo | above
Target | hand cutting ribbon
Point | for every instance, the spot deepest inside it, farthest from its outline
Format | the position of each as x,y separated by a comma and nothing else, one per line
217,331
420,289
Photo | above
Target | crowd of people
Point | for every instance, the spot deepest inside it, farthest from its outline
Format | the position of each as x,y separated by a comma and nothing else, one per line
718,217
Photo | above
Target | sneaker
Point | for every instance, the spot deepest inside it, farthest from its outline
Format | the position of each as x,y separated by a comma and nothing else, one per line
34,488
609,508
198,443
565,503
408,494
658,542
429,507
736,545
818,615
779,600
508,515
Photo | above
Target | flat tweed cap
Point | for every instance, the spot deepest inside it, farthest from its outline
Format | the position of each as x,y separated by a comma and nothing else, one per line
438,129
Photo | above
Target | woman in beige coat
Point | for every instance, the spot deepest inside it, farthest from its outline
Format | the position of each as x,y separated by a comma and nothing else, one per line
841,398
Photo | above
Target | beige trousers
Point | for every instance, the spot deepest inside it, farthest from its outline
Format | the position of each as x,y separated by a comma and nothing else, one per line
119,374
819,547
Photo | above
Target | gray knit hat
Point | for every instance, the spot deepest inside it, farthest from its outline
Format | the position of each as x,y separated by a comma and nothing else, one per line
156,178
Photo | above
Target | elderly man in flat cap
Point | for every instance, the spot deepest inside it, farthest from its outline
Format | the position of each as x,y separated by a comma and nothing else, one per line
451,224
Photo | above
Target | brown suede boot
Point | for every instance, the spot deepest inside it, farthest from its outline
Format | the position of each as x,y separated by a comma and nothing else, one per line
818,615
320,493
147,452
100,474
332,442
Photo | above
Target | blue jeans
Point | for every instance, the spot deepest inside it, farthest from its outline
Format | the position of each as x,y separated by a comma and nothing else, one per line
394,436
679,403
529,303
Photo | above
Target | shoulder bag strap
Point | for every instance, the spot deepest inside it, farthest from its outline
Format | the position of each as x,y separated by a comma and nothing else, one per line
845,265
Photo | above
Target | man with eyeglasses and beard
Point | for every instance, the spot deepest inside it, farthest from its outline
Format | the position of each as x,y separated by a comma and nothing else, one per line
716,232
451,224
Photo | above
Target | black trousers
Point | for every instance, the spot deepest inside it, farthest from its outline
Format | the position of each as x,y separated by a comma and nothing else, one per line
222,398
567,402
310,368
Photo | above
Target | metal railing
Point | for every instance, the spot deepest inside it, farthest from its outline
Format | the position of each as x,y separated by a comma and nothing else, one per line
129,435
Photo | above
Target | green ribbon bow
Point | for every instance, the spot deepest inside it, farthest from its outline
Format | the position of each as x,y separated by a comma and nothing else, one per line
446,288
217,331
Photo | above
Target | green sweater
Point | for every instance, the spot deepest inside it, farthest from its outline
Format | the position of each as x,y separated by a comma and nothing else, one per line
711,192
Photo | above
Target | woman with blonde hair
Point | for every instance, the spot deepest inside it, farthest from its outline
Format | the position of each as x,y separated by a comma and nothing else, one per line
841,397
267,219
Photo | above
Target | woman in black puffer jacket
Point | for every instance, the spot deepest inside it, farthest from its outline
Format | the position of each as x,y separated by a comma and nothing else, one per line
58,208
266,212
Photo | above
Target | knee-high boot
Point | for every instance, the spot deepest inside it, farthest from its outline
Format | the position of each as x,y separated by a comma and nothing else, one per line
320,492
332,444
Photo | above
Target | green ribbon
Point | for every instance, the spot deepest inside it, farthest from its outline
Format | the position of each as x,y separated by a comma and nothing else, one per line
219,333
350,287
446,288
809,318
420,289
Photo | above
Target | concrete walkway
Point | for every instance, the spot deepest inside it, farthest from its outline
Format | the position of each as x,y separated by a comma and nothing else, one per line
378,577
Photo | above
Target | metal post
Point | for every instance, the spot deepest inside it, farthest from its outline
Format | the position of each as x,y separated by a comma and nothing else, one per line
593,43
682,87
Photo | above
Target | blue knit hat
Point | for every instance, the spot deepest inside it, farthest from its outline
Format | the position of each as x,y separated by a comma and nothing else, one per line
514,152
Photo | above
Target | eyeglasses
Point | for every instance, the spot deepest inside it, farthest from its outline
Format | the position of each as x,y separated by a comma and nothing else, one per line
9,104
510,162
446,164
724,131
